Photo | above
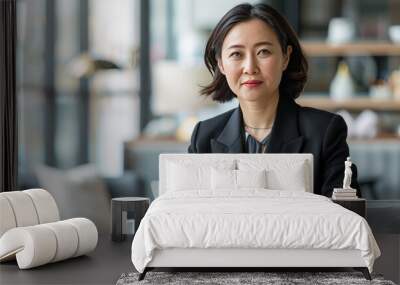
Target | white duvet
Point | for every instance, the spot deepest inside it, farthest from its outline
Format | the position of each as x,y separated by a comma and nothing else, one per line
252,218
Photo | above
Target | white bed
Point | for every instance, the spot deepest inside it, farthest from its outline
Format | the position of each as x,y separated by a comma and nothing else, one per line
201,219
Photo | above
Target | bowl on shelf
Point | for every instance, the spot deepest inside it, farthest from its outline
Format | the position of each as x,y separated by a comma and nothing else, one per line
340,30
394,33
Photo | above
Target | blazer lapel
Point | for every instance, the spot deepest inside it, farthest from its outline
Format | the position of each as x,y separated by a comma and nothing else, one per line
218,147
285,135
231,138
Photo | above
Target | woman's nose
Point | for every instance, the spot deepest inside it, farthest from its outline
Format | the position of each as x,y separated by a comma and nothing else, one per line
250,66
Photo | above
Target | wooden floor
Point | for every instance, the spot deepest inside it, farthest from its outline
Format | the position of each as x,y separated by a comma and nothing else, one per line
111,259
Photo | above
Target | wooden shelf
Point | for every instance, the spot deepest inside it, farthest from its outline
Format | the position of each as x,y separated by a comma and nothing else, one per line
388,138
354,104
320,48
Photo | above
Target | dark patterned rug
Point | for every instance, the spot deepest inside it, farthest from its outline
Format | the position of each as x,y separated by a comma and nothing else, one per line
242,278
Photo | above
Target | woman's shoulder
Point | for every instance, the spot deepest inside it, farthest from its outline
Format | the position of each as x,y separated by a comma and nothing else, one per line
213,126
208,129
319,118
218,119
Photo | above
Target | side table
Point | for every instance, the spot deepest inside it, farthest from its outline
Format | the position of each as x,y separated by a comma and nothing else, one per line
358,206
137,205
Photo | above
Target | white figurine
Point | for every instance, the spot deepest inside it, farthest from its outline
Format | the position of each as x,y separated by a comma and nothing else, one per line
345,193
347,174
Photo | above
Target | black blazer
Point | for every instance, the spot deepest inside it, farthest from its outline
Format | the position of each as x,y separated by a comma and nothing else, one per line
296,130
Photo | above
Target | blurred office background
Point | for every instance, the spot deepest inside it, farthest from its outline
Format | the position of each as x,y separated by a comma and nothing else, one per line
110,85
104,87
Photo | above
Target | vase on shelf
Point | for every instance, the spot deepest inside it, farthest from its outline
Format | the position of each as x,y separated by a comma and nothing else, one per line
342,85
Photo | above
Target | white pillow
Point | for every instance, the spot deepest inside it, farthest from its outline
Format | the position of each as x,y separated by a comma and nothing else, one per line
182,177
291,179
223,179
282,174
237,179
251,178
190,175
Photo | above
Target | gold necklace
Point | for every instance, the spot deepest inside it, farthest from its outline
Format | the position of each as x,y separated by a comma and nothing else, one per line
254,128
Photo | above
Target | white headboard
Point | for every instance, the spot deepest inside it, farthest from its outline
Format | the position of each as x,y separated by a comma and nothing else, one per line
211,158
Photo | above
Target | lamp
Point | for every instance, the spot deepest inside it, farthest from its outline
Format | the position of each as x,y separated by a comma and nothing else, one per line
107,111
86,65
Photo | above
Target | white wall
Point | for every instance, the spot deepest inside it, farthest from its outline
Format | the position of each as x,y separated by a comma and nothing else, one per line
114,35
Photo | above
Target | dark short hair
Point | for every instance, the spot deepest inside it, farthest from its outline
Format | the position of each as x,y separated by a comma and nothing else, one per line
294,76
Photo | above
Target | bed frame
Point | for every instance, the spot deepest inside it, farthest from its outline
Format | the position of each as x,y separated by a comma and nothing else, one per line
240,259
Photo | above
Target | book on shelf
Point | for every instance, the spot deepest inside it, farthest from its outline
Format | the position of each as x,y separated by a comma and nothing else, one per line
341,190
345,194
344,197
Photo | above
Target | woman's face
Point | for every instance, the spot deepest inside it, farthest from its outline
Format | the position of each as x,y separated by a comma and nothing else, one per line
252,60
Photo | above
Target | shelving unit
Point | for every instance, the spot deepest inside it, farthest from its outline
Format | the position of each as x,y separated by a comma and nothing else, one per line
354,104
361,102
320,48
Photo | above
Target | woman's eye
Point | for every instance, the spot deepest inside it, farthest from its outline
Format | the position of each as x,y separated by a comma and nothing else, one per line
235,54
264,52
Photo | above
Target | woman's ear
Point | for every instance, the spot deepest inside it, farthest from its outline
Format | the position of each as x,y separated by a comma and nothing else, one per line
289,50
220,66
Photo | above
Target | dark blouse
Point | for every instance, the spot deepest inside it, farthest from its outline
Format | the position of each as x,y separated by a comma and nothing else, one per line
254,146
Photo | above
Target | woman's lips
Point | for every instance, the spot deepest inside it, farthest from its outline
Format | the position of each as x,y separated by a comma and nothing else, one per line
252,83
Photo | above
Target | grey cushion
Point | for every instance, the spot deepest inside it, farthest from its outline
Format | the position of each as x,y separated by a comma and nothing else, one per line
79,192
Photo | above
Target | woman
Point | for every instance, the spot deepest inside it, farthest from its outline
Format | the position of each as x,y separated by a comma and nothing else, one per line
255,56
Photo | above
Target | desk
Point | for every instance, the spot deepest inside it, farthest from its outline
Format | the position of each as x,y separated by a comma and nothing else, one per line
383,216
